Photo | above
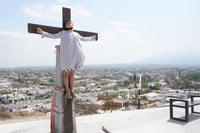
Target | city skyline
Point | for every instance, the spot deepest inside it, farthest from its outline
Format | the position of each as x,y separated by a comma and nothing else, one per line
151,32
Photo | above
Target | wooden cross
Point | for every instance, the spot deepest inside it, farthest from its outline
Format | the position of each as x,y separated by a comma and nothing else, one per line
66,15
66,123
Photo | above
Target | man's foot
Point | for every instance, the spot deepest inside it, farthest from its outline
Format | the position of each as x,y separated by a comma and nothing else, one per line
73,94
68,95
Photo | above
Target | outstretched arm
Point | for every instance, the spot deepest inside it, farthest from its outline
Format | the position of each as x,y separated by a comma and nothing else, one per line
48,35
91,38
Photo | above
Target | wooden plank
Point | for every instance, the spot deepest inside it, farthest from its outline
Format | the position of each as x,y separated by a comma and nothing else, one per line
70,121
66,15
59,103
49,29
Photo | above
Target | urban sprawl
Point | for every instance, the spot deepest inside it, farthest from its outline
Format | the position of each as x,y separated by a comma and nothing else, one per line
99,89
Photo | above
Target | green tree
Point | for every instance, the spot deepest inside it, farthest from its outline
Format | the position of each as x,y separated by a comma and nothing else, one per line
157,86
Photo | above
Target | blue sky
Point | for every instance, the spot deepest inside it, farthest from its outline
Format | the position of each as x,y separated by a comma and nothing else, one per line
130,31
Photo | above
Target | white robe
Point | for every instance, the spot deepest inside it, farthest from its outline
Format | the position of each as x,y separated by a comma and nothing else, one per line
71,51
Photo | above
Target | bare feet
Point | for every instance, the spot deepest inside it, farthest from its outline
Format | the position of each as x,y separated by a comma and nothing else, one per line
68,95
73,94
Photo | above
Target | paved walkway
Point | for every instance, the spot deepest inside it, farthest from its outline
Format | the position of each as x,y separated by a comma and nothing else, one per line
154,120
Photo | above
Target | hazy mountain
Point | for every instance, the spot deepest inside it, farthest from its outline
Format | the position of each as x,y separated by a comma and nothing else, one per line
180,58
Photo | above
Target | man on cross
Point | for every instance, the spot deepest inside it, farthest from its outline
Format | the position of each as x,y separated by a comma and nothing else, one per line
71,53
69,57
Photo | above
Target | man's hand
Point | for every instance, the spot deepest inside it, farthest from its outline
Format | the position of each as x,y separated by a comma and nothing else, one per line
39,30
95,37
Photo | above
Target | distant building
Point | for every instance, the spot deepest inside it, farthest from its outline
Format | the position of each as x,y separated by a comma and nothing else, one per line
151,96
5,84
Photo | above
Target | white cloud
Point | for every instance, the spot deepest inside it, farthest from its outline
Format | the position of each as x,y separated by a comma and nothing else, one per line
54,12
19,49
42,12
81,11
120,42
115,45
123,33
124,42
62,1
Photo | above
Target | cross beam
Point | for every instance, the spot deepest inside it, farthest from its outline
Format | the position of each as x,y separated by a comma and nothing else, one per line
66,15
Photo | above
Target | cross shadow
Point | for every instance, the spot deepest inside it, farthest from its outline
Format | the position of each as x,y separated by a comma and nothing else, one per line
192,117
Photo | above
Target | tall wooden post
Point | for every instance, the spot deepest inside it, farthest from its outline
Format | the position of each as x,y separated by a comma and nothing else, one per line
63,110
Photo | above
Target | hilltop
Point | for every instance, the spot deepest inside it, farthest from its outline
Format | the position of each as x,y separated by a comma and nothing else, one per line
155,120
